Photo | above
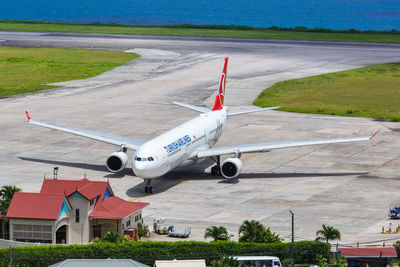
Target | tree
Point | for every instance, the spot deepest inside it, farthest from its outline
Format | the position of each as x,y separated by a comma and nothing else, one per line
111,237
327,233
6,194
271,237
216,232
254,232
225,262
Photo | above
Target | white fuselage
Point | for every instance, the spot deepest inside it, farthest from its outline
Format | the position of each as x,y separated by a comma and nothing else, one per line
174,148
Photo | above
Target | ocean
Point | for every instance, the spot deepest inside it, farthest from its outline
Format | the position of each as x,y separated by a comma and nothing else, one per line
333,14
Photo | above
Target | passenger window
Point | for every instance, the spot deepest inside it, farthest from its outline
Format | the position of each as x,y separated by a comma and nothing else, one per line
138,159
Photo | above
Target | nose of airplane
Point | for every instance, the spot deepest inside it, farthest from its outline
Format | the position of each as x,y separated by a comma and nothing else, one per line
140,169
148,169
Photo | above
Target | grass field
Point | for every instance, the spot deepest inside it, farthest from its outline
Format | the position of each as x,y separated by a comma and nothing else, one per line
233,32
366,92
27,70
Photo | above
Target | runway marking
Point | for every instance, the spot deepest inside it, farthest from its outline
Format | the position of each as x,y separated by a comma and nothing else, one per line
181,182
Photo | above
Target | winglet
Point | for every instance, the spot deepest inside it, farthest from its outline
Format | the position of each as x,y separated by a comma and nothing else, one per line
27,115
372,136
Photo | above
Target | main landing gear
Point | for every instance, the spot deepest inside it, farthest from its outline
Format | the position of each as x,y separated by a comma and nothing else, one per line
216,170
148,188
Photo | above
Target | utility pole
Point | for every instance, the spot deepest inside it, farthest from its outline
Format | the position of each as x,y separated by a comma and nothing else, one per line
292,247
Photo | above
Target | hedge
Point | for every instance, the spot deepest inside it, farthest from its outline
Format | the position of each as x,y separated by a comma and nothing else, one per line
147,251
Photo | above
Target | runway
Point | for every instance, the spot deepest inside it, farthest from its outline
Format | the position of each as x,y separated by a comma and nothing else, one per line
347,186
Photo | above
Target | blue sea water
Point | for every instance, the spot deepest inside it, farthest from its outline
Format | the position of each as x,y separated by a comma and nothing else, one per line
334,14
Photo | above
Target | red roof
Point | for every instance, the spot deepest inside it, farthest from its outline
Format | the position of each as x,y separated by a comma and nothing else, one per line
116,208
35,206
368,252
47,203
88,189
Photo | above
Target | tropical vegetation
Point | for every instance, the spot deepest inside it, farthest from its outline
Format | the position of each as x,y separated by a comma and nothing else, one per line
217,233
254,232
328,233
6,194
147,251
112,237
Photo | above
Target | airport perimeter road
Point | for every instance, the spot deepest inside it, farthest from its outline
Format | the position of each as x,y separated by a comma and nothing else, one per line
348,186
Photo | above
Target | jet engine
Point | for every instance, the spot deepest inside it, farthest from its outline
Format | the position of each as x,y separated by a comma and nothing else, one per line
116,161
231,168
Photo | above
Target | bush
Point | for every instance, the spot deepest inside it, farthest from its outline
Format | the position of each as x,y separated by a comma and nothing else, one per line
147,251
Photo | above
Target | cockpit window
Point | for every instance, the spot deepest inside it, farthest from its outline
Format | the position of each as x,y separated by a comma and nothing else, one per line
144,159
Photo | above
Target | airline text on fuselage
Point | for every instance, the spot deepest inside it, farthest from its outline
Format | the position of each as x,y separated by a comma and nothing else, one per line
177,144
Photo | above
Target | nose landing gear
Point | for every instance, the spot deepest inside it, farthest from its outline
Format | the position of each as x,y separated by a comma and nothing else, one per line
148,188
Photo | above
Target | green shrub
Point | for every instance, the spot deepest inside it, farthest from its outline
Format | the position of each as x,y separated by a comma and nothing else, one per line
147,251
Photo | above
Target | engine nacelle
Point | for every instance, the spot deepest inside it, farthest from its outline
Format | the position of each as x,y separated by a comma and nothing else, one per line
231,168
116,161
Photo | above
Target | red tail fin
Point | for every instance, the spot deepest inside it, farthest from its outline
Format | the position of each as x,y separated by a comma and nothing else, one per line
219,99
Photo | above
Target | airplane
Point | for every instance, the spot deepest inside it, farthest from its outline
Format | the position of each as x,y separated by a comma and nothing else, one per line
188,143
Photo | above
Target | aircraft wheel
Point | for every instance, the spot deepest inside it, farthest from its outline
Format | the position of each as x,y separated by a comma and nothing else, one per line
150,189
146,189
214,171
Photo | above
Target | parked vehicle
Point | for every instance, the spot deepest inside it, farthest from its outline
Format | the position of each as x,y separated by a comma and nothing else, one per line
161,227
184,234
394,212
259,261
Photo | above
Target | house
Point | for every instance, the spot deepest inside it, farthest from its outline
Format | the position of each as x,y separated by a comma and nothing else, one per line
369,256
71,212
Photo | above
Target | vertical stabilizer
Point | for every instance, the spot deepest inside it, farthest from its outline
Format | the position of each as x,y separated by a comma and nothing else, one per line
219,99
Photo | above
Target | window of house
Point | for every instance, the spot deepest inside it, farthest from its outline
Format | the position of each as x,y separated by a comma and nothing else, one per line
92,202
77,215
128,223
26,232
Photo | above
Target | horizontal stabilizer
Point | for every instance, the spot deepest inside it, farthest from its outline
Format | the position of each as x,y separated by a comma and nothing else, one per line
239,112
197,108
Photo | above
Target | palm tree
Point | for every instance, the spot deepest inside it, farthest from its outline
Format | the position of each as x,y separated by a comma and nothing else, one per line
251,232
327,233
6,194
216,232
225,262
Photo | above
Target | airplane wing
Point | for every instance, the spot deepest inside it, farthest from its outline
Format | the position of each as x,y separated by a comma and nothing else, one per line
99,136
265,147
